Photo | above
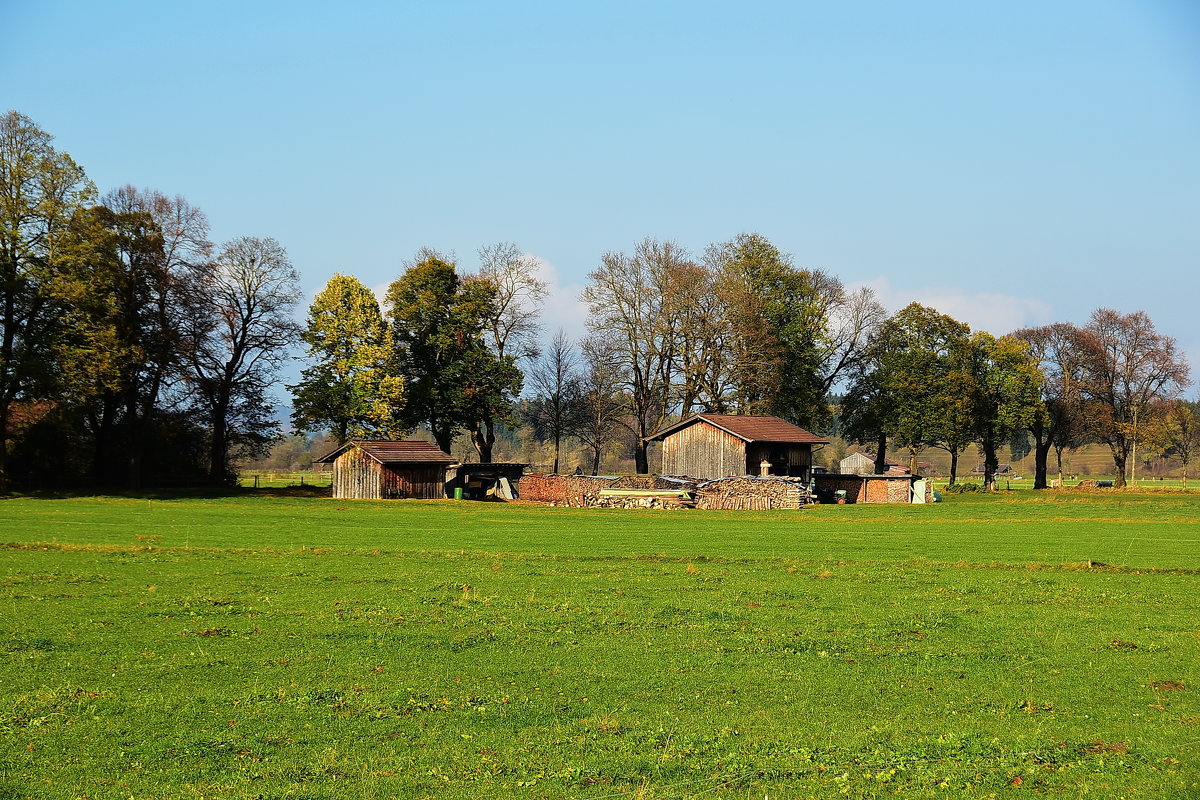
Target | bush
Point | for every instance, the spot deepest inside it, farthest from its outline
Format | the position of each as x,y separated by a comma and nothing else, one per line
964,488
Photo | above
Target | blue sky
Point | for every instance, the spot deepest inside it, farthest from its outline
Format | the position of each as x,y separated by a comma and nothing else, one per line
1011,164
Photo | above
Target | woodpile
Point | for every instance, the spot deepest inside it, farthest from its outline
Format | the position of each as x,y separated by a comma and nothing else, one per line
750,494
641,498
664,492
563,490
649,482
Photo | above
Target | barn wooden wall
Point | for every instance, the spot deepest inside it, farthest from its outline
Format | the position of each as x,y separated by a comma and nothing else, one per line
419,481
702,451
356,476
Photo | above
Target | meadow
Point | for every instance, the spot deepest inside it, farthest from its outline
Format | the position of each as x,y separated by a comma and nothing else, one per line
281,644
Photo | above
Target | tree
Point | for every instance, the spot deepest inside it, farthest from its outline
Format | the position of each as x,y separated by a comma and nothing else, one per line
1004,392
1182,432
630,321
350,387
793,334
909,385
1062,352
914,361
601,406
512,317
511,330
702,340
238,342
121,344
40,190
451,378
555,408
1131,368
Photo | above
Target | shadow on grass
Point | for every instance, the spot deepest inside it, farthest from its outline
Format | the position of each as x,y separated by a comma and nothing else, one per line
205,493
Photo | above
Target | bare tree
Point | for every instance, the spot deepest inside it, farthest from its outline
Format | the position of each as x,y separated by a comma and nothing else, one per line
555,408
1133,368
513,319
852,319
630,320
601,406
239,342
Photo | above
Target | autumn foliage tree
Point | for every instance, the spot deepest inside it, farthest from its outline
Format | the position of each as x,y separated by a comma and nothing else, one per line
350,385
1131,368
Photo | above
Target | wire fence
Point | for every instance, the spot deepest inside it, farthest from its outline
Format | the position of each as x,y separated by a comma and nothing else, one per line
266,479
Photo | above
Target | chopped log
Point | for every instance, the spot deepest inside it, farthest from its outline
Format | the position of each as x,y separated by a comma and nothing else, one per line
751,494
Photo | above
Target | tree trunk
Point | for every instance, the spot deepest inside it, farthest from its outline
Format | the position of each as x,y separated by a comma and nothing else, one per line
641,458
953,466
219,447
1058,451
1120,456
990,463
4,406
483,440
881,455
557,440
1041,454
596,461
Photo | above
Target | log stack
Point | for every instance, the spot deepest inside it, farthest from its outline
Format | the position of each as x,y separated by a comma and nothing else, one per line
750,494
641,498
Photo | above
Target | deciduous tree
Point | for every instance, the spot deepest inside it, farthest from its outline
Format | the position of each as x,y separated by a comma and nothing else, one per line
1132,367
1005,386
238,342
1062,351
556,405
452,380
41,188
350,386
630,320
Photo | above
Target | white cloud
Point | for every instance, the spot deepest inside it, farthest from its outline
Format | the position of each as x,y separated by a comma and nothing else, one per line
995,313
562,307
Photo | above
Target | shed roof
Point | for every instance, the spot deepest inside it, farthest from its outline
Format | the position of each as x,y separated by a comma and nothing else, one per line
748,428
394,452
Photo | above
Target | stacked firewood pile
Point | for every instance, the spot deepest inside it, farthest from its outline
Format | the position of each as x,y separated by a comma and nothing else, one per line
641,498
563,490
750,494
650,482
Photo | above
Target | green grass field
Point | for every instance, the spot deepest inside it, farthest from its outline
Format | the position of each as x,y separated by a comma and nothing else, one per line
291,646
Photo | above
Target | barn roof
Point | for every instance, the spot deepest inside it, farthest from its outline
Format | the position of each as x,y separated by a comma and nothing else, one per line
394,452
748,429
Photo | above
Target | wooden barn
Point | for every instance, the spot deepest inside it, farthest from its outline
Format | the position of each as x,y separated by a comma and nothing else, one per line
713,446
364,470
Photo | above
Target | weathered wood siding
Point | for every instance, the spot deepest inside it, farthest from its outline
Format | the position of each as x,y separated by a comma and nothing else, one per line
702,451
418,481
356,476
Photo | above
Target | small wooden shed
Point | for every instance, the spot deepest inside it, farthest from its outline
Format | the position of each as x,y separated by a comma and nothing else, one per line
724,445
368,470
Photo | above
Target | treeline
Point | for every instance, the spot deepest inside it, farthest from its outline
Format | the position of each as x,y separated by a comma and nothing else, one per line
740,330
132,349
